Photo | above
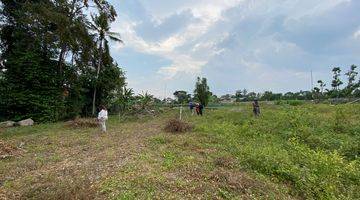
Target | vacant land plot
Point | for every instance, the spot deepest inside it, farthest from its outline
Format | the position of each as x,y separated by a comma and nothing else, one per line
290,152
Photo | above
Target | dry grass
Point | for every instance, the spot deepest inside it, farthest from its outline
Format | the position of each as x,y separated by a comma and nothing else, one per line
7,150
82,123
60,162
177,126
225,162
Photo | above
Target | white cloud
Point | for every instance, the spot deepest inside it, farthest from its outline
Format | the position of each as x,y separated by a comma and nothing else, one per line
268,38
182,61
356,35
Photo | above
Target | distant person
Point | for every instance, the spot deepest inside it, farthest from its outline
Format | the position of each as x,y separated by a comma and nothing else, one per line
201,108
102,117
256,108
197,108
191,106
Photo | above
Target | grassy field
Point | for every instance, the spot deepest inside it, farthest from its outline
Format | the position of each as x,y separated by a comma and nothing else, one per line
290,152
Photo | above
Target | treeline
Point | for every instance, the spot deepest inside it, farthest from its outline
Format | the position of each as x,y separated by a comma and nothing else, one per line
349,88
337,89
55,59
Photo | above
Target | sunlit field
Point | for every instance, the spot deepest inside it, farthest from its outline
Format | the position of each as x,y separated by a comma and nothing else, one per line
290,152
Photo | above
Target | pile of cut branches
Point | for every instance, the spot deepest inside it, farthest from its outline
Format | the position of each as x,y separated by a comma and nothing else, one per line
82,123
178,126
6,150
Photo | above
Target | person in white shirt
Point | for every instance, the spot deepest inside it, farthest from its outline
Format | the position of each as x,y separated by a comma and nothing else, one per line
102,117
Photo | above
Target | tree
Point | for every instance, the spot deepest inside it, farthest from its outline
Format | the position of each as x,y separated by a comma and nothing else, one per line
288,96
182,97
101,26
319,91
31,84
336,82
251,96
321,85
202,91
351,86
316,93
214,99
268,96
37,79
241,95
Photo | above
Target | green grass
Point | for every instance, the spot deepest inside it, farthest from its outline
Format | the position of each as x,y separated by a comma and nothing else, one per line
313,148
290,152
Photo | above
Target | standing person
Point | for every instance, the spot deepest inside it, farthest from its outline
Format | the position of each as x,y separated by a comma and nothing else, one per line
102,117
191,106
256,108
197,108
201,108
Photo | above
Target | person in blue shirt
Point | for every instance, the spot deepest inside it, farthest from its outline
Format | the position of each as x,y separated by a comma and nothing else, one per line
191,106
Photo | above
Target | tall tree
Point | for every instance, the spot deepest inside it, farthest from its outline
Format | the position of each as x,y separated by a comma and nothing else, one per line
351,85
30,83
336,82
202,91
101,26
321,85
47,55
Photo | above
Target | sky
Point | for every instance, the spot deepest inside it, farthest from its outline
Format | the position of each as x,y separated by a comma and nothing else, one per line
259,45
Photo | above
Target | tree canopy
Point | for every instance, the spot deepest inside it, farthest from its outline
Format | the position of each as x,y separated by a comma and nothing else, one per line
202,91
52,58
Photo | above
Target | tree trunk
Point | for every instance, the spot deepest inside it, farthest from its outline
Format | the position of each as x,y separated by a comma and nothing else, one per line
93,103
97,76
61,59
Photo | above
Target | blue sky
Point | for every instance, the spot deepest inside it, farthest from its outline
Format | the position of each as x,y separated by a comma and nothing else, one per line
254,44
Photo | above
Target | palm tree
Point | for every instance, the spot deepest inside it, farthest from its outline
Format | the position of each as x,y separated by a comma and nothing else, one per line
101,28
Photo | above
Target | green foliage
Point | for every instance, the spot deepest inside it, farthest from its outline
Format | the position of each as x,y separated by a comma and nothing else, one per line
123,100
202,91
31,83
36,80
289,102
182,97
351,86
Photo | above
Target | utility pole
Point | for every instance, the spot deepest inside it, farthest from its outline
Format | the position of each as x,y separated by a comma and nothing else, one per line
165,92
312,81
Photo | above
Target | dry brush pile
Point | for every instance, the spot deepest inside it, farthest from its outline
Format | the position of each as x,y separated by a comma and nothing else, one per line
178,126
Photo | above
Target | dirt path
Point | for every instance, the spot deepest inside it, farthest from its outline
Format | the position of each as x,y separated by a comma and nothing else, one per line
70,164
